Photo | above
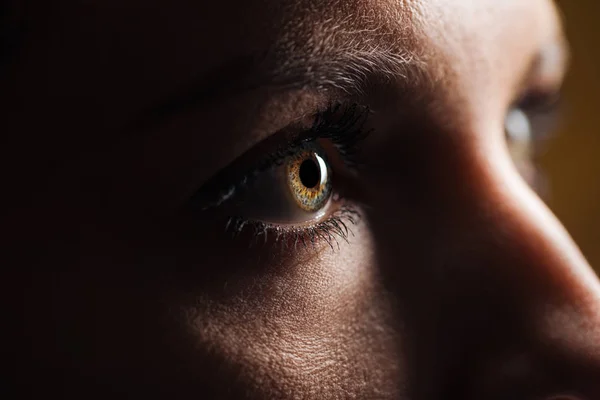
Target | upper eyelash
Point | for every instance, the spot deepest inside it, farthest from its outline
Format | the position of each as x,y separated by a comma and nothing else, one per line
345,131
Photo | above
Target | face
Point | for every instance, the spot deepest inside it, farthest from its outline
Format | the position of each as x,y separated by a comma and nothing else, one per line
288,199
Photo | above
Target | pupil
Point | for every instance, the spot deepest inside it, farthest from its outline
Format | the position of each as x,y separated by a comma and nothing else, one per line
309,173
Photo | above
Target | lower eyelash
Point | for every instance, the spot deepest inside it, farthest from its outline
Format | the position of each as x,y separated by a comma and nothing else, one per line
336,226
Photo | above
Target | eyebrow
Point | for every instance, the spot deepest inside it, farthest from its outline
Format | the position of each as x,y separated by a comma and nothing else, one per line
348,71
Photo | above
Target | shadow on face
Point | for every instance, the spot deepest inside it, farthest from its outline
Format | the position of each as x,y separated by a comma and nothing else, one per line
274,199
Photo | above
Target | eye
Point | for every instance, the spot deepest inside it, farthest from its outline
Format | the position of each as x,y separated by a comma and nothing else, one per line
528,127
297,190
519,137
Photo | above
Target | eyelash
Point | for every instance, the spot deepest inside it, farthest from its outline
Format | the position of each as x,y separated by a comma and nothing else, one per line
343,126
334,227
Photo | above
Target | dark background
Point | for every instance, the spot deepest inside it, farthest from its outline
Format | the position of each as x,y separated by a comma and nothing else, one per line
572,161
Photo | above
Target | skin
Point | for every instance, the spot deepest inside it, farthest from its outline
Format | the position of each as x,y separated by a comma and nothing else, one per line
457,283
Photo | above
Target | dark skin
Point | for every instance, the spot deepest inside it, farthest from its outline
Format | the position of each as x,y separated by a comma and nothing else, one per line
457,282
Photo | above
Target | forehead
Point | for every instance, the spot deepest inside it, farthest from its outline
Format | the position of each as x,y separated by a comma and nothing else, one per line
186,38
146,51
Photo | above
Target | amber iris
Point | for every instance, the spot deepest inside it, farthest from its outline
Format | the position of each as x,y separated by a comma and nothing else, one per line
309,180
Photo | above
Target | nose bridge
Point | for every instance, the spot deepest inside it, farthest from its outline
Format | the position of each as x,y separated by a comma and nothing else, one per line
533,252
538,301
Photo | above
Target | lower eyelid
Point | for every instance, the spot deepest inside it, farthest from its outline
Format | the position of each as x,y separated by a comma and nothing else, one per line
336,227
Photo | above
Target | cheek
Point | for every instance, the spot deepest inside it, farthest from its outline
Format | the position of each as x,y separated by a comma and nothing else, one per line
319,324
167,314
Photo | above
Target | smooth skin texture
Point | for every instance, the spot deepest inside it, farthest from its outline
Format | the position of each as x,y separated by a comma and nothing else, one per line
458,281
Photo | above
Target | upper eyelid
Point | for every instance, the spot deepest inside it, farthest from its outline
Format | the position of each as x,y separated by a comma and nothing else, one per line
223,193
546,70
214,193
223,185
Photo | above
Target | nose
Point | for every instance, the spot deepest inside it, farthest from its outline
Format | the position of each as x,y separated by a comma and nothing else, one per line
539,302
544,309
497,299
